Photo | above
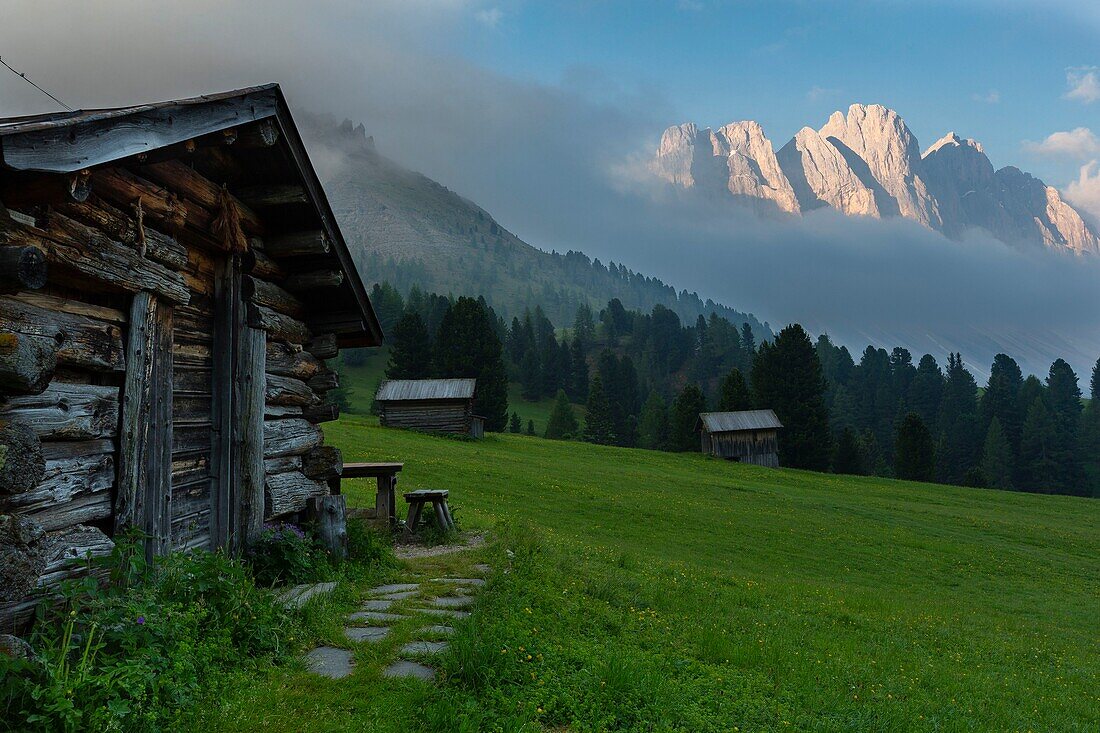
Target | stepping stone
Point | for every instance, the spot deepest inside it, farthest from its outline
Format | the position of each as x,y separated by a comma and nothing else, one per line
329,661
461,581
377,605
405,668
393,588
483,568
437,630
453,602
374,616
442,612
423,648
297,596
398,596
367,633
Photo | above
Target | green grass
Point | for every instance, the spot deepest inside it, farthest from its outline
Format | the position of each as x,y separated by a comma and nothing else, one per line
657,591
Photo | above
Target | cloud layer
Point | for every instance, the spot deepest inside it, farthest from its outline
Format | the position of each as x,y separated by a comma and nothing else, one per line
1084,84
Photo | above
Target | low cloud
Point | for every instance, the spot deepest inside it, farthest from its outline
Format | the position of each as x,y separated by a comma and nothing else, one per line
1079,144
990,97
1084,84
817,93
489,17
1084,193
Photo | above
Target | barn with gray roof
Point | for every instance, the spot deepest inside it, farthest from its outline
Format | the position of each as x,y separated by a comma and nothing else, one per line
747,436
431,405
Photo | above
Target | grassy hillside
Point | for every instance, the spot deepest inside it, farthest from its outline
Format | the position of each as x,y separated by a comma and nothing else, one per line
739,596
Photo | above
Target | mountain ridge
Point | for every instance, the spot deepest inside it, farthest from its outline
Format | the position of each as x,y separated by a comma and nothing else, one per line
867,162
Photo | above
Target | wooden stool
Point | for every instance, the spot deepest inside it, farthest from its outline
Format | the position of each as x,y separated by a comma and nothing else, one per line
438,498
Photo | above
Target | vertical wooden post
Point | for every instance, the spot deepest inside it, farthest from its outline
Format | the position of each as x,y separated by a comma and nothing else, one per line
248,438
145,432
330,514
228,312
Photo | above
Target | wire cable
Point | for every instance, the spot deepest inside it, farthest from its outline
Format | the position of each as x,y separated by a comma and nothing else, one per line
25,78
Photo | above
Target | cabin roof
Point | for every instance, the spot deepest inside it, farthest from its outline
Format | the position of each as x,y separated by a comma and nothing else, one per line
731,422
68,142
395,390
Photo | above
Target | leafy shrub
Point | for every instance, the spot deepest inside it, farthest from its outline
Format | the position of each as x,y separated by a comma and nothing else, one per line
368,546
132,655
284,554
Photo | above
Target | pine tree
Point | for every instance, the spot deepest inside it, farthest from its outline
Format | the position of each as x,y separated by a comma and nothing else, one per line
915,452
597,418
468,346
562,424
584,327
786,377
683,418
1001,399
1090,433
959,424
1064,401
847,458
1036,462
734,394
579,377
653,425
515,425
531,427
997,463
748,343
926,391
411,355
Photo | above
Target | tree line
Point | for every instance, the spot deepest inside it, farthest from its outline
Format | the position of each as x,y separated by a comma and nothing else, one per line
644,377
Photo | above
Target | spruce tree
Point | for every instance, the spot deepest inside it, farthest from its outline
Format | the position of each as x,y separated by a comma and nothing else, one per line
531,427
748,343
562,424
997,457
847,458
468,346
787,377
515,425
915,452
926,390
1064,401
1036,459
597,418
734,394
684,416
411,354
959,424
1001,399
653,425
579,375
1090,434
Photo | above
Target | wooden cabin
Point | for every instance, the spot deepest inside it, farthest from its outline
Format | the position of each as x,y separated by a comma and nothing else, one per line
172,281
431,405
748,436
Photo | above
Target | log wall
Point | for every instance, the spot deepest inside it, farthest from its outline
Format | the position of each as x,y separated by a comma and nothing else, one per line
433,416
759,447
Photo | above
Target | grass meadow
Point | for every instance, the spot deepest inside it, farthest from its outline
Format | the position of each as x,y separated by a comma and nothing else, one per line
647,591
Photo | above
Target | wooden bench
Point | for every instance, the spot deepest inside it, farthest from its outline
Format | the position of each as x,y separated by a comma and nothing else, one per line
385,502
438,498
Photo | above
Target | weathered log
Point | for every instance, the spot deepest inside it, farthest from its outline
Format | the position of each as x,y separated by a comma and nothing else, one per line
256,262
97,213
186,181
22,556
73,491
27,363
277,194
323,463
67,411
324,381
290,492
262,134
298,244
126,189
324,346
329,517
261,292
323,412
33,189
277,325
317,280
248,438
22,464
282,465
292,437
345,322
288,391
287,360
63,451
81,341
280,412
22,268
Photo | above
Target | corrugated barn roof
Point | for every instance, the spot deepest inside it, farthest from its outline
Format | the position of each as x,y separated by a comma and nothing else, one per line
426,389
725,422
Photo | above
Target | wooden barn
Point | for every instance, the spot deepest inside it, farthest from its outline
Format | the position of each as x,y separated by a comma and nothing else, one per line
171,281
431,405
748,436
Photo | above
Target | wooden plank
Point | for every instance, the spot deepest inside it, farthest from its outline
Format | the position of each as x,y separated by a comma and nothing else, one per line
227,315
370,470
159,458
81,341
67,411
249,439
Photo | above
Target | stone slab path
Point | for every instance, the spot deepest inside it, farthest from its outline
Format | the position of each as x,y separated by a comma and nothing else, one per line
391,604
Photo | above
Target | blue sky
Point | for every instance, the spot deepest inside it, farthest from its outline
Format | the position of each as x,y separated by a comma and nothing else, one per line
993,71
